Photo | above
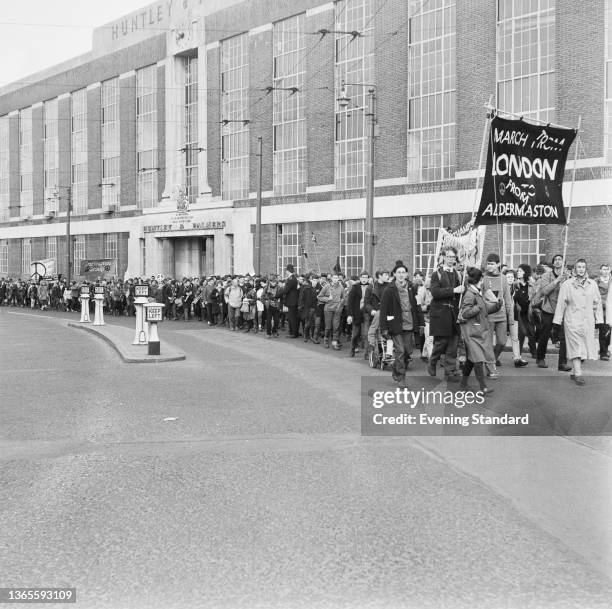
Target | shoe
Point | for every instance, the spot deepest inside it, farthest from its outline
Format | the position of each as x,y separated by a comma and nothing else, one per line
579,380
352,353
452,378
335,346
401,383
326,343
306,339
487,390
431,369
605,358
494,374
268,335
564,368
316,341
541,363
497,362
519,363
424,359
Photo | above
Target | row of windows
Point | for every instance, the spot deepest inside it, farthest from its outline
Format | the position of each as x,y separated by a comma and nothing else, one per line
110,241
521,244
525,84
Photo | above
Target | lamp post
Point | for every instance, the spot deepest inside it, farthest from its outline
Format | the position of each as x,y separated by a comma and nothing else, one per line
58,196
369,237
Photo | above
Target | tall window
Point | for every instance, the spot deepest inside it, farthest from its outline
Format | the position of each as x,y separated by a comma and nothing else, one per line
354,64
289,112
79,152
79,253
191,128
110,245
26,257
51,248
4,256
4,169
521,244
26,197
50,152
230,253
111,176
431,91
608,135
146,136
287,247
351,246
143,257
234,109
426,230
526,58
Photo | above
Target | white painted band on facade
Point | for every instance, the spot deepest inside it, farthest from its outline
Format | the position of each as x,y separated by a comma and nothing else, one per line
94,85
213,45
130,74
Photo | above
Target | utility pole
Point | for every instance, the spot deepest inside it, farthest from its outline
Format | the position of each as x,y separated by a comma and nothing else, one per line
258,216
68,236
370,239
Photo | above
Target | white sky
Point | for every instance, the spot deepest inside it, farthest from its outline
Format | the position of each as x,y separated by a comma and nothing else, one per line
51,31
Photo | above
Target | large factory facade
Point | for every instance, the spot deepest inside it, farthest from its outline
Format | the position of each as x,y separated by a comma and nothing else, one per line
161,137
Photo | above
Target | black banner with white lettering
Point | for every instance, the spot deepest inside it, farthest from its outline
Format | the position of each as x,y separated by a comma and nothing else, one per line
524,173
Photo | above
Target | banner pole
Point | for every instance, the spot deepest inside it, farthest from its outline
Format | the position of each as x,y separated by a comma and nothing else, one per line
487,126
571,197
482,149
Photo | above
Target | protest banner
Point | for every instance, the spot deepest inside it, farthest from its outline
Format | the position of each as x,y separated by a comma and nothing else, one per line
469,245
524,173
105,268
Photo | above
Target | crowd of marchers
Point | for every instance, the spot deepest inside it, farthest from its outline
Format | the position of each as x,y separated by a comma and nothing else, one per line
459,320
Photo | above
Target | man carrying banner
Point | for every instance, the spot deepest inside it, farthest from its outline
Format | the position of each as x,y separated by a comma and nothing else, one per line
446,288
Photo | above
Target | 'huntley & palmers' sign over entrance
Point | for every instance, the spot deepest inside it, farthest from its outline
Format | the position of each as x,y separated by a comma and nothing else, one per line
524,173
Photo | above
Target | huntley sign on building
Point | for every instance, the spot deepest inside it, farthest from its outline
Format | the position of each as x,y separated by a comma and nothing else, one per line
154,136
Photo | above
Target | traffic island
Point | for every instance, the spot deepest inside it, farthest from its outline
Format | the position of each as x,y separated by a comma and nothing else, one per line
120,339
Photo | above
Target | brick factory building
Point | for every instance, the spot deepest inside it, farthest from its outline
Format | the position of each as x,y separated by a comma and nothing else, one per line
154,136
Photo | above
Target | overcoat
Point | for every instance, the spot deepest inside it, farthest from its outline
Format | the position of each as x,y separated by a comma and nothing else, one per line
444,305
476,328
579,309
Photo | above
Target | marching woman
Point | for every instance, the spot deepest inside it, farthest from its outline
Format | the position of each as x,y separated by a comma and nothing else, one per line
579,310
475,328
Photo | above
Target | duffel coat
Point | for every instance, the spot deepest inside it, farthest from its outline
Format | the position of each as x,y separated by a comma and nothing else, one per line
391,310
579,309
476,328
444,305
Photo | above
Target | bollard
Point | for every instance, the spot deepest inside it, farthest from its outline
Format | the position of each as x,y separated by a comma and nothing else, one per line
153,315
141,292
99,304
84,298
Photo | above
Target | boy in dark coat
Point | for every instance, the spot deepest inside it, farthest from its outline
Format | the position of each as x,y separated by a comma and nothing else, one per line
400,318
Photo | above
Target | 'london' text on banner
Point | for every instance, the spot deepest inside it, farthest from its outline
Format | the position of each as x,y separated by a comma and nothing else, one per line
524,173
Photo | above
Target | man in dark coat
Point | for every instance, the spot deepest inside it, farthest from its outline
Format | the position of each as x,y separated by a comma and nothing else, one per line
357,315
446,289
400,318
290,299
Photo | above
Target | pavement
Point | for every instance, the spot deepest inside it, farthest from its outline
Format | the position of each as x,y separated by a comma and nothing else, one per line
121,339
239,478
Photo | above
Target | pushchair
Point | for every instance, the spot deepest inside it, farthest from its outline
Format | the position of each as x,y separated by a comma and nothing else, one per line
380,356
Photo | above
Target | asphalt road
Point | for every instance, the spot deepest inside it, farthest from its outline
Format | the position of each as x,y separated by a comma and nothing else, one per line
260,491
